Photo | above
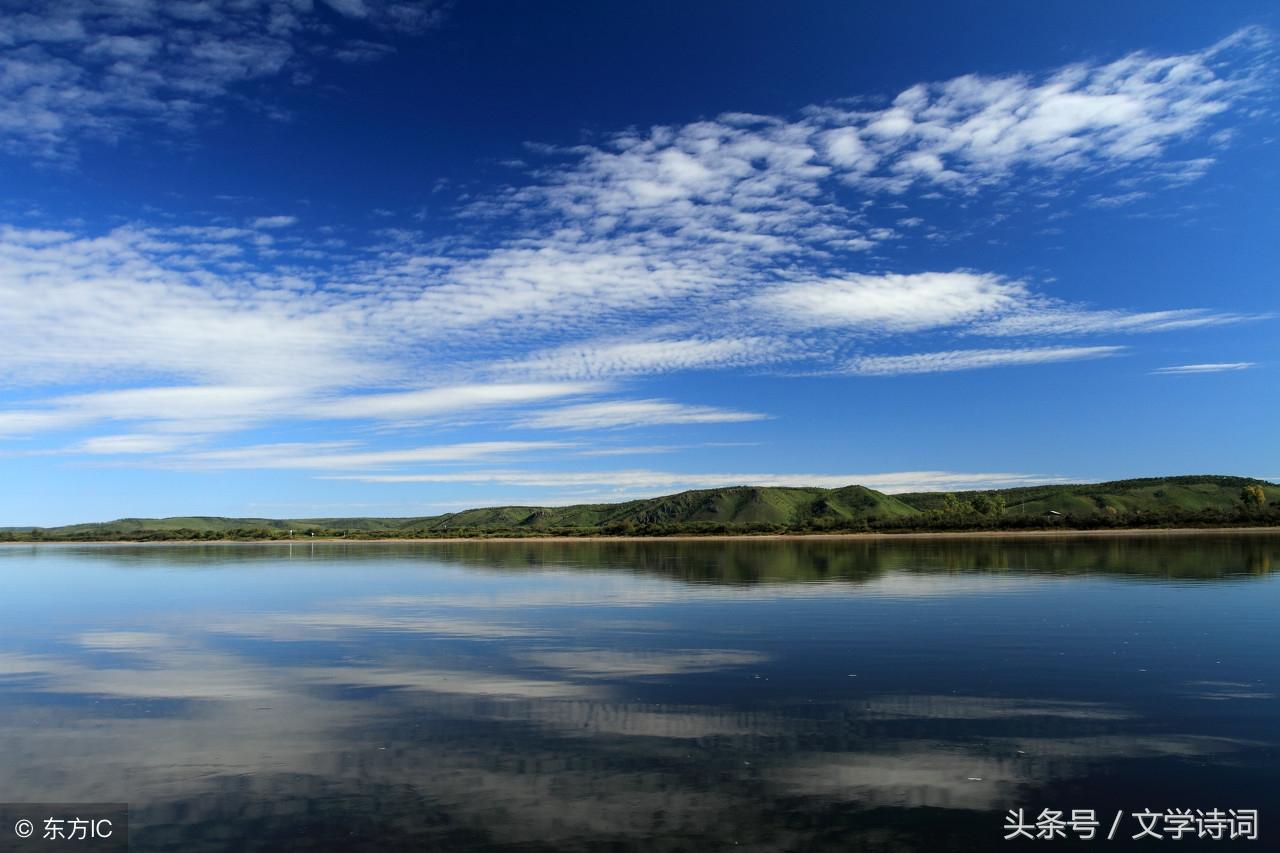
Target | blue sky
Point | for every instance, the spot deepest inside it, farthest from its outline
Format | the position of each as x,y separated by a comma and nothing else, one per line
387,258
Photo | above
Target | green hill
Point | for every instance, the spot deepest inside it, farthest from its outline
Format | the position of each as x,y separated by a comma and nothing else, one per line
740,505
1191,494
222,524
1169,501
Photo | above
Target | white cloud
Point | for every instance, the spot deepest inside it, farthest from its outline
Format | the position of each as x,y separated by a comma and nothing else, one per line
1205,368
642,482
154,306
213,402
611,663
190,409
435,401
28,422
564,286
693,215
975,129
130,443
80,69
137,303
220,408
894,303
336,455
1118,199
940,362
178,409
604,359
721,243
845,148
633,413
657,237
1041,317
275,221
638,450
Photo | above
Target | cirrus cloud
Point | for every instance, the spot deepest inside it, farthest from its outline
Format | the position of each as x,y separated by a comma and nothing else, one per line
76,70
1218,367
634,413
733,242
952,360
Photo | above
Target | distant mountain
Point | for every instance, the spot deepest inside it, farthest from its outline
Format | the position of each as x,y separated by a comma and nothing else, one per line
1169,500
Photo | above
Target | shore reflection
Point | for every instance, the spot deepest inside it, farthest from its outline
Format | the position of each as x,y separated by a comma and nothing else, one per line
655,696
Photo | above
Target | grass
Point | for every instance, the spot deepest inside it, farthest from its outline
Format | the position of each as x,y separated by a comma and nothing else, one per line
1195,500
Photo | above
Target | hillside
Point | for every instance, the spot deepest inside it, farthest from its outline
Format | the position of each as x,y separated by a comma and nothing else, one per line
1169,501
1127,497
742,505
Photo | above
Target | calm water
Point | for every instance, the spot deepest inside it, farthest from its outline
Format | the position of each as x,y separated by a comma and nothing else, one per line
751,696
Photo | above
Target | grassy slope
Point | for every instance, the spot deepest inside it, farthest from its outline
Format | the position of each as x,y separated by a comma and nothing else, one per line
220,524
1127,496
738,505
746,505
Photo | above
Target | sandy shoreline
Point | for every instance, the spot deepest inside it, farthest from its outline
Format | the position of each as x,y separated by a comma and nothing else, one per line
1126,533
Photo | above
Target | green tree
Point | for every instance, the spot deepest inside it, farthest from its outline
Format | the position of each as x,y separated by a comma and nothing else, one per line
988,506
1253,497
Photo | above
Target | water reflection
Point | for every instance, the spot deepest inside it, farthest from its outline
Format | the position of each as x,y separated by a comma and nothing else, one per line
636,696
1171,554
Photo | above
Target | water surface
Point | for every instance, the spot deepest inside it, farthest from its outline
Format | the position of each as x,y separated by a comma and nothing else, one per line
657,696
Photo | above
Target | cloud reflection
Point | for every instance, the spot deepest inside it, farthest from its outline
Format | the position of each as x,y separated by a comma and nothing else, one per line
568,709
603,663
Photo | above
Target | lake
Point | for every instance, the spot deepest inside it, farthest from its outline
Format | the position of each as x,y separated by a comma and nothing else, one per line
900,694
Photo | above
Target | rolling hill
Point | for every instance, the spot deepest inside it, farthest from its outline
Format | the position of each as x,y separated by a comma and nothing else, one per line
1128,497
1169,501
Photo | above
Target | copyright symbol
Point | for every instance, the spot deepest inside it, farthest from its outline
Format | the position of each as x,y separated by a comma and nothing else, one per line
23,828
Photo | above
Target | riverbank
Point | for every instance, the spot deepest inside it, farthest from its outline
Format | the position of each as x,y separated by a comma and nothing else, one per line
1127,532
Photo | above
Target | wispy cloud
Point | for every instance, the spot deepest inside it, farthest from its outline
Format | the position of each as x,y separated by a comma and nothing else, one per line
606,359
1040,317
78,69
976,129
222,408
1118,199
131,443
687,231
637,450
182,409
139,304
1205,368
733,242
644,482
634,413
321,456
609,663
951,360
458,398
275,221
